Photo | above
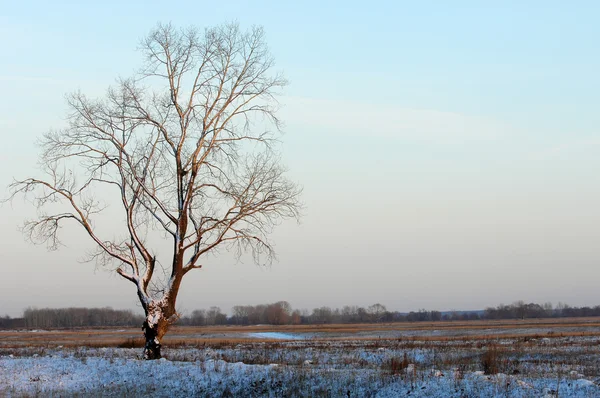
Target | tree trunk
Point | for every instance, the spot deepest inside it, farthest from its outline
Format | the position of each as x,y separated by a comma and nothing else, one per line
160,314
152,346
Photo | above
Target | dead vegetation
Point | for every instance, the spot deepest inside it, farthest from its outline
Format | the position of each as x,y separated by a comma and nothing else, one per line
410,335
536,356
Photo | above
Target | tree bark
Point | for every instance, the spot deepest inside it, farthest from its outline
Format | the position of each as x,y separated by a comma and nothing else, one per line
160,314
152,346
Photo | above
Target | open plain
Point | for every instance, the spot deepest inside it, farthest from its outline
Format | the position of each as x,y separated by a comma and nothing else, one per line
522,358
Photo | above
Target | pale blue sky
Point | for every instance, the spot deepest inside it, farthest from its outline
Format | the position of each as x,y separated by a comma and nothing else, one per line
448,150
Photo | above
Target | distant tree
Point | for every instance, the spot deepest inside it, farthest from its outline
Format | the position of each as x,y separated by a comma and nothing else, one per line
549,311
181,149
520,309
435,316
362,315
349,314
322,315
257,314
377,311
296,318
198,318
278,313
240,315
214,316
562,309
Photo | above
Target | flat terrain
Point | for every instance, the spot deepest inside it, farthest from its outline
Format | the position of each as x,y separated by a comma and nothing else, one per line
523,358
193,335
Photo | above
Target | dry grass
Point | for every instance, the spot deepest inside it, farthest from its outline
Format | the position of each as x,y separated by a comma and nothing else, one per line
398,326
221,336
541,352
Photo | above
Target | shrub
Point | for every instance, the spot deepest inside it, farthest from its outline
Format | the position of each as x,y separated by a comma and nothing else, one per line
398,366
490,360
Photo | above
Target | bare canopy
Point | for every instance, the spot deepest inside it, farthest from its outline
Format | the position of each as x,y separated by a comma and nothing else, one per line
184,147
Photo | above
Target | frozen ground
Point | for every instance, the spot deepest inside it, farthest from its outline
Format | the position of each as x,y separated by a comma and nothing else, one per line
118,377
277,336
544,367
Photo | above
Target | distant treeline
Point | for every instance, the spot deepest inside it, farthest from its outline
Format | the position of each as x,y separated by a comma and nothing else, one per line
522,310
45,318
282,313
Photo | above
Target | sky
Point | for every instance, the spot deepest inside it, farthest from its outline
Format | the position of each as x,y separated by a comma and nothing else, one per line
447,150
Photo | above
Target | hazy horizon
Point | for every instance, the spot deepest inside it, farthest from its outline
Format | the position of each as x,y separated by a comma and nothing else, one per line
229,310
448,153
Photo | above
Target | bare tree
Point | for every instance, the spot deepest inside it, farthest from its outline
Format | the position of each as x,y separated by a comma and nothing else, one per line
377,312
278,313
183,148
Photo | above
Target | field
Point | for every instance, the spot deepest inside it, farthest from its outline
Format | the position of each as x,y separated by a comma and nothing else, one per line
524,358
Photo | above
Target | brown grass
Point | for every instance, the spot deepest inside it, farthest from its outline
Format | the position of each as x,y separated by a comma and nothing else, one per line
398,326
215,336
397,366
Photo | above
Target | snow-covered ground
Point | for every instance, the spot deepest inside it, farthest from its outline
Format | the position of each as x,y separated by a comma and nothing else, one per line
545,367
60,375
